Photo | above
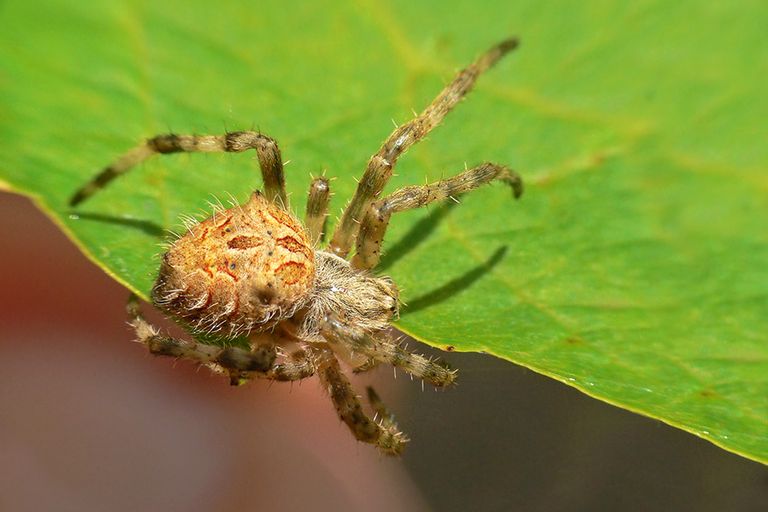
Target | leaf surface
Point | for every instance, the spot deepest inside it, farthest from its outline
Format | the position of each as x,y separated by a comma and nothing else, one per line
635,266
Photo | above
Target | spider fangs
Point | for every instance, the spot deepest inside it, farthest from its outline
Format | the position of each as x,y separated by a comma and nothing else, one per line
255,270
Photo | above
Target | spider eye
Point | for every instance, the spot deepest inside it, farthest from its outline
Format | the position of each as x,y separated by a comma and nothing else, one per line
232,266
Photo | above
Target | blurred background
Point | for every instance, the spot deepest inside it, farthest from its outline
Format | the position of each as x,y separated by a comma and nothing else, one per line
90,422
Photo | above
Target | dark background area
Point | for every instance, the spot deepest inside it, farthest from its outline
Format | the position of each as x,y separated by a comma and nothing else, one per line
89,421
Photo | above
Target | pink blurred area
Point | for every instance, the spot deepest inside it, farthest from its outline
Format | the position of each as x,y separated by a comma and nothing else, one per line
90,421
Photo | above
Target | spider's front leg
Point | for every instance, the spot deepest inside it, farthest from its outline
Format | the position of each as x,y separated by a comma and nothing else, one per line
382,433
237,362
343,338
381,348
267,152
376,220
379,168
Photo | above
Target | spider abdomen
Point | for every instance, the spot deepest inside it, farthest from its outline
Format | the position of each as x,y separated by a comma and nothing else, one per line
244,268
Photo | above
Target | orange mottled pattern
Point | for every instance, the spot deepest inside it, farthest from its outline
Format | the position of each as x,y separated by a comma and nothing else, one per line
245,267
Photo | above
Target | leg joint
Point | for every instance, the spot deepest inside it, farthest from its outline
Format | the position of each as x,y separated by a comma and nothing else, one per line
168,143
164,346
237,142
239,359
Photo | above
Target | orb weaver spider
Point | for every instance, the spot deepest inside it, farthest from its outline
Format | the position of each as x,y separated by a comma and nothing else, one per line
254,270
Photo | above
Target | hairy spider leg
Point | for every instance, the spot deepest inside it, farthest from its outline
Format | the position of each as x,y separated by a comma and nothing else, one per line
382,348
317,209
379,168
298,365
266,149
383,434
237,362
374,224
382,413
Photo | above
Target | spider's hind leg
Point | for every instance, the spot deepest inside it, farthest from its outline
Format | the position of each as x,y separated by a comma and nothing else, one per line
382,433
237,362
383,349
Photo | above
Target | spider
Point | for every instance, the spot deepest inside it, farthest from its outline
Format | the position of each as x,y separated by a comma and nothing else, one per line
254,270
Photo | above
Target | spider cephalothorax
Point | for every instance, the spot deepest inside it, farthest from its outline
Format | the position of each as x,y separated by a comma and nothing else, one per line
254,270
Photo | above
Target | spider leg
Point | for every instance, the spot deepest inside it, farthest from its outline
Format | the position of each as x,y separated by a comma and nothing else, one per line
317,209
382,348
383,434
234,360
382,413
368,365
374,223
379,168
266,148
299,365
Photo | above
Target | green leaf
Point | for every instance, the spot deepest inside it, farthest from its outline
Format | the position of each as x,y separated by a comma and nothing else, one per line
634,268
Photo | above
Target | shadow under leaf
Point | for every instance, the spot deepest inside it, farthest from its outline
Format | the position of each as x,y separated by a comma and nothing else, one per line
455,285
148,227
417,234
